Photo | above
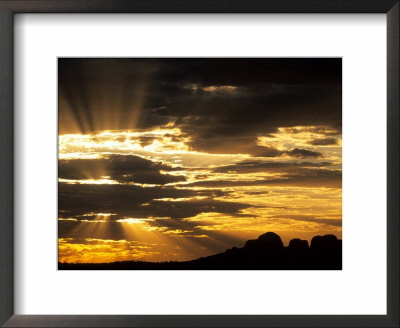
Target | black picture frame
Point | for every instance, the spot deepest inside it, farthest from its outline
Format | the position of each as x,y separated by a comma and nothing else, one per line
10,7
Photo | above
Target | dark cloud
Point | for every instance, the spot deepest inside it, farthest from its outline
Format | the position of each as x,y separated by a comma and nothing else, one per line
145,141
323,130
323,142
302,153
262,166
75,200
232,123
123,168
78,199
190,208
256,192
301,178
269,93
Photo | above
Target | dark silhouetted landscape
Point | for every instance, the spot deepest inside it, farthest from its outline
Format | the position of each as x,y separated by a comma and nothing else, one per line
267,252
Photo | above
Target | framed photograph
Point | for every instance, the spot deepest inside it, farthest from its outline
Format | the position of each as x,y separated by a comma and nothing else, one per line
199,164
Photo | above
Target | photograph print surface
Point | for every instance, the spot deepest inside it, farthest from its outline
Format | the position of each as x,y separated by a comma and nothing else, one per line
200,163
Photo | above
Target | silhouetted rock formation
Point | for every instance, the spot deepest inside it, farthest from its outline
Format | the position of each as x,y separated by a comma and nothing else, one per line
298,245
325,243
267,242
264,253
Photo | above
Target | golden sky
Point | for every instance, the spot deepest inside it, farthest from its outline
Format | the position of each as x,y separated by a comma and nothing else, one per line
164,160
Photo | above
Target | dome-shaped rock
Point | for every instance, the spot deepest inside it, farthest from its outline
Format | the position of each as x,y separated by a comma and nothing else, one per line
324,243
267,241
298,244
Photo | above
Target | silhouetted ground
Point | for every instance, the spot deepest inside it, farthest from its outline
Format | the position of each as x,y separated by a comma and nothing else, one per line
265,253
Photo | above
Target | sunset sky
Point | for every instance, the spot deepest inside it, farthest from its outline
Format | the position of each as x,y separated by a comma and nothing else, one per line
174,159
